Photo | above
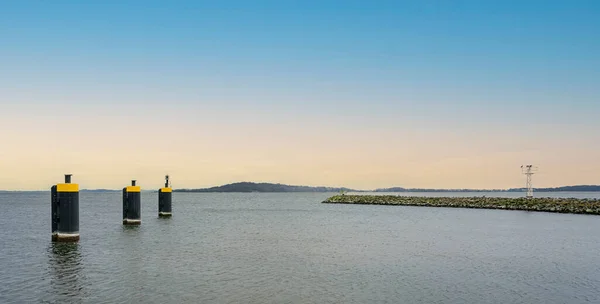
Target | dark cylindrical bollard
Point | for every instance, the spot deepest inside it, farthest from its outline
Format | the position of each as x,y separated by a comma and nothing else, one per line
132,207
164,200
65,211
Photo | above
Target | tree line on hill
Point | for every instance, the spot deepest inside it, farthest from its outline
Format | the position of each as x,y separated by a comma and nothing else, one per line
271,187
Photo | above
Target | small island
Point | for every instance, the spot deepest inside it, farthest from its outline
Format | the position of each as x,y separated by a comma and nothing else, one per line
542,204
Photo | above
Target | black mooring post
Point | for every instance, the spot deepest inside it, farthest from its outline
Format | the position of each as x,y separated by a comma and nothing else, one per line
165,200
125,204
132,204
65,211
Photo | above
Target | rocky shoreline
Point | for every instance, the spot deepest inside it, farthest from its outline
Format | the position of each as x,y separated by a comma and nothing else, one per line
541,204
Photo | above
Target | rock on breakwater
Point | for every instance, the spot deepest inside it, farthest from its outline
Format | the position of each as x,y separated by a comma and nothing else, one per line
542,204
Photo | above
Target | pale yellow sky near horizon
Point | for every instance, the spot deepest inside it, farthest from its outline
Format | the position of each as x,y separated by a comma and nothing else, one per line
368,95
105,148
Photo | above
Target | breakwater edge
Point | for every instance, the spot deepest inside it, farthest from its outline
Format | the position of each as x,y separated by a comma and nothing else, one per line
541,204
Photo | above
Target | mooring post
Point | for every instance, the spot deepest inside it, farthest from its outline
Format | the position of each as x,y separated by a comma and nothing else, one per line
65,211
132,209
165,199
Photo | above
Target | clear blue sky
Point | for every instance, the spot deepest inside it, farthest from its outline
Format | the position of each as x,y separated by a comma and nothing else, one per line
518,69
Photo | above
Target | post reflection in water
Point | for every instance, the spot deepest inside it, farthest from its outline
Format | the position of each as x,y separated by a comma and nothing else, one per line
66,272
133,258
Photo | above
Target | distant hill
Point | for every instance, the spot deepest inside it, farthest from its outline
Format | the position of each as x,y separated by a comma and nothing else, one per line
577,188
400,189
264,187
272,187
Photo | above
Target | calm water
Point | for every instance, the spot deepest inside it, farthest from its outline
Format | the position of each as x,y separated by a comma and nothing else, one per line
289,248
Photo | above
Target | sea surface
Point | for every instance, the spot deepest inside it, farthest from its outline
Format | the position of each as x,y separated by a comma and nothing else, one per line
290,248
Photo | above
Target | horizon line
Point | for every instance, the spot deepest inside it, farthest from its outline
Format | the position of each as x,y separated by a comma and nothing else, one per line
336,187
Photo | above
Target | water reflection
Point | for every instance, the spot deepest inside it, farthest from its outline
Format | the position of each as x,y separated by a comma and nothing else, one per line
66,272
133,258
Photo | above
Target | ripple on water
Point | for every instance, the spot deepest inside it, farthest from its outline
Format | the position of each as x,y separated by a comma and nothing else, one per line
289,248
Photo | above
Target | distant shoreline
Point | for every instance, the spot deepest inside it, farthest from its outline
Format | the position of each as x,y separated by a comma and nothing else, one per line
244,187
251,187
371,191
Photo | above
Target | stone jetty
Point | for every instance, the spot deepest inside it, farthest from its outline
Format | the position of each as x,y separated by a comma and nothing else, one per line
542,204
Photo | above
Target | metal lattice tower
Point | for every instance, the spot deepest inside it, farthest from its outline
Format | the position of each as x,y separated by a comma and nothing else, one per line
528,170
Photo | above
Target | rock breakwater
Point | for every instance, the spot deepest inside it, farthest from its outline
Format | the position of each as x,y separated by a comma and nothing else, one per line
541,204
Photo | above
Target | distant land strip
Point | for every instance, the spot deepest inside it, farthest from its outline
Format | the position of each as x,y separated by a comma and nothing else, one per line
271,187
245,187
557,205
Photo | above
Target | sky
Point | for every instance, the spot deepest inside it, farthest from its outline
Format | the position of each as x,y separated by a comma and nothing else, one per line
361,94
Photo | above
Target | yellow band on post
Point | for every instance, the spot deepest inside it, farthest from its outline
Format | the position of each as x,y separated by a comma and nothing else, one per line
163,190
67,188
134,189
